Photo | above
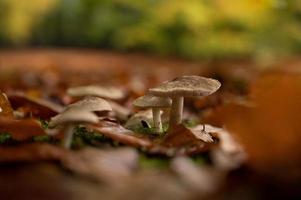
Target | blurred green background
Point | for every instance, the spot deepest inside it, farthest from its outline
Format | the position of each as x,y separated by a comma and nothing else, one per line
186,28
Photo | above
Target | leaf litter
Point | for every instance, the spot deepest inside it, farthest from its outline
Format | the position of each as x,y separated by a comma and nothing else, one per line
248,124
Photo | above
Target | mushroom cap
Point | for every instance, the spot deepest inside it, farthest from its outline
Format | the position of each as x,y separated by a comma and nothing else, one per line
92,104
151,101
73,116
189,86
94,90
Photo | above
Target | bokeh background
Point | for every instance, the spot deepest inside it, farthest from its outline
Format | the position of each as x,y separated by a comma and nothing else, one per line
195,29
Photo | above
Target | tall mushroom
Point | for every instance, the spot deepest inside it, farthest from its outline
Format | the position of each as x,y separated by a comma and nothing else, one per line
155,103
69,119
184,86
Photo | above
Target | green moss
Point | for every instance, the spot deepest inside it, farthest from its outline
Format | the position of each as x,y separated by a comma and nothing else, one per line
148,162
42,138
190,122
149,130
83,137
143,130
201,159
5,138
44,124
88,136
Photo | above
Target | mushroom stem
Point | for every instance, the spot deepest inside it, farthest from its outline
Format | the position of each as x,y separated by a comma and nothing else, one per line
157,120
68,136
176,111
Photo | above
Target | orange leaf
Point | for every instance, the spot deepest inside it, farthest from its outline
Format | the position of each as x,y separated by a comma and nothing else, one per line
21,129
39,108
31,152
5,107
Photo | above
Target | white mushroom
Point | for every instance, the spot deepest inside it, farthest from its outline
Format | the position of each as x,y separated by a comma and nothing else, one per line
110,93
143,115
92,104
184,86
155,103
79,112
69,119
94,90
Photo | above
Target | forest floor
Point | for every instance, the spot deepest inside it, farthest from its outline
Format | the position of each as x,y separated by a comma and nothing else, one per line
257,104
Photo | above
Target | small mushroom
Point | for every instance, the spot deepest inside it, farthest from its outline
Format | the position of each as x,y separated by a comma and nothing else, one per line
93,104
184,86
155,103
69,119
94,90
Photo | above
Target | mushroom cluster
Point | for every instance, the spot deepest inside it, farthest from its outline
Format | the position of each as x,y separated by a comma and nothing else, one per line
168,95
172,93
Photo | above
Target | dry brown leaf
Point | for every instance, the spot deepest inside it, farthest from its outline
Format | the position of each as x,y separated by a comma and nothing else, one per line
5,107
21,129
181,136
38,108
31,153
120,134
181,141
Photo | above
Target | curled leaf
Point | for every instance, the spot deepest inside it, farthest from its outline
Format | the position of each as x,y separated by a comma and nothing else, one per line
5,107
202,133
181,141
39,108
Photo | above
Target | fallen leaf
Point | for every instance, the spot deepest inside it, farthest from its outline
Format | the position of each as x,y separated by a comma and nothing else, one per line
202,134
182,141
21,129
181,136
109,166
120,134
5,107
31,153
38,108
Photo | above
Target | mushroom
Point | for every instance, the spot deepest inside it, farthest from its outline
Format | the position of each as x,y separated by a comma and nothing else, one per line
69,119
94,90
184,86
155,103
103,92
93,104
